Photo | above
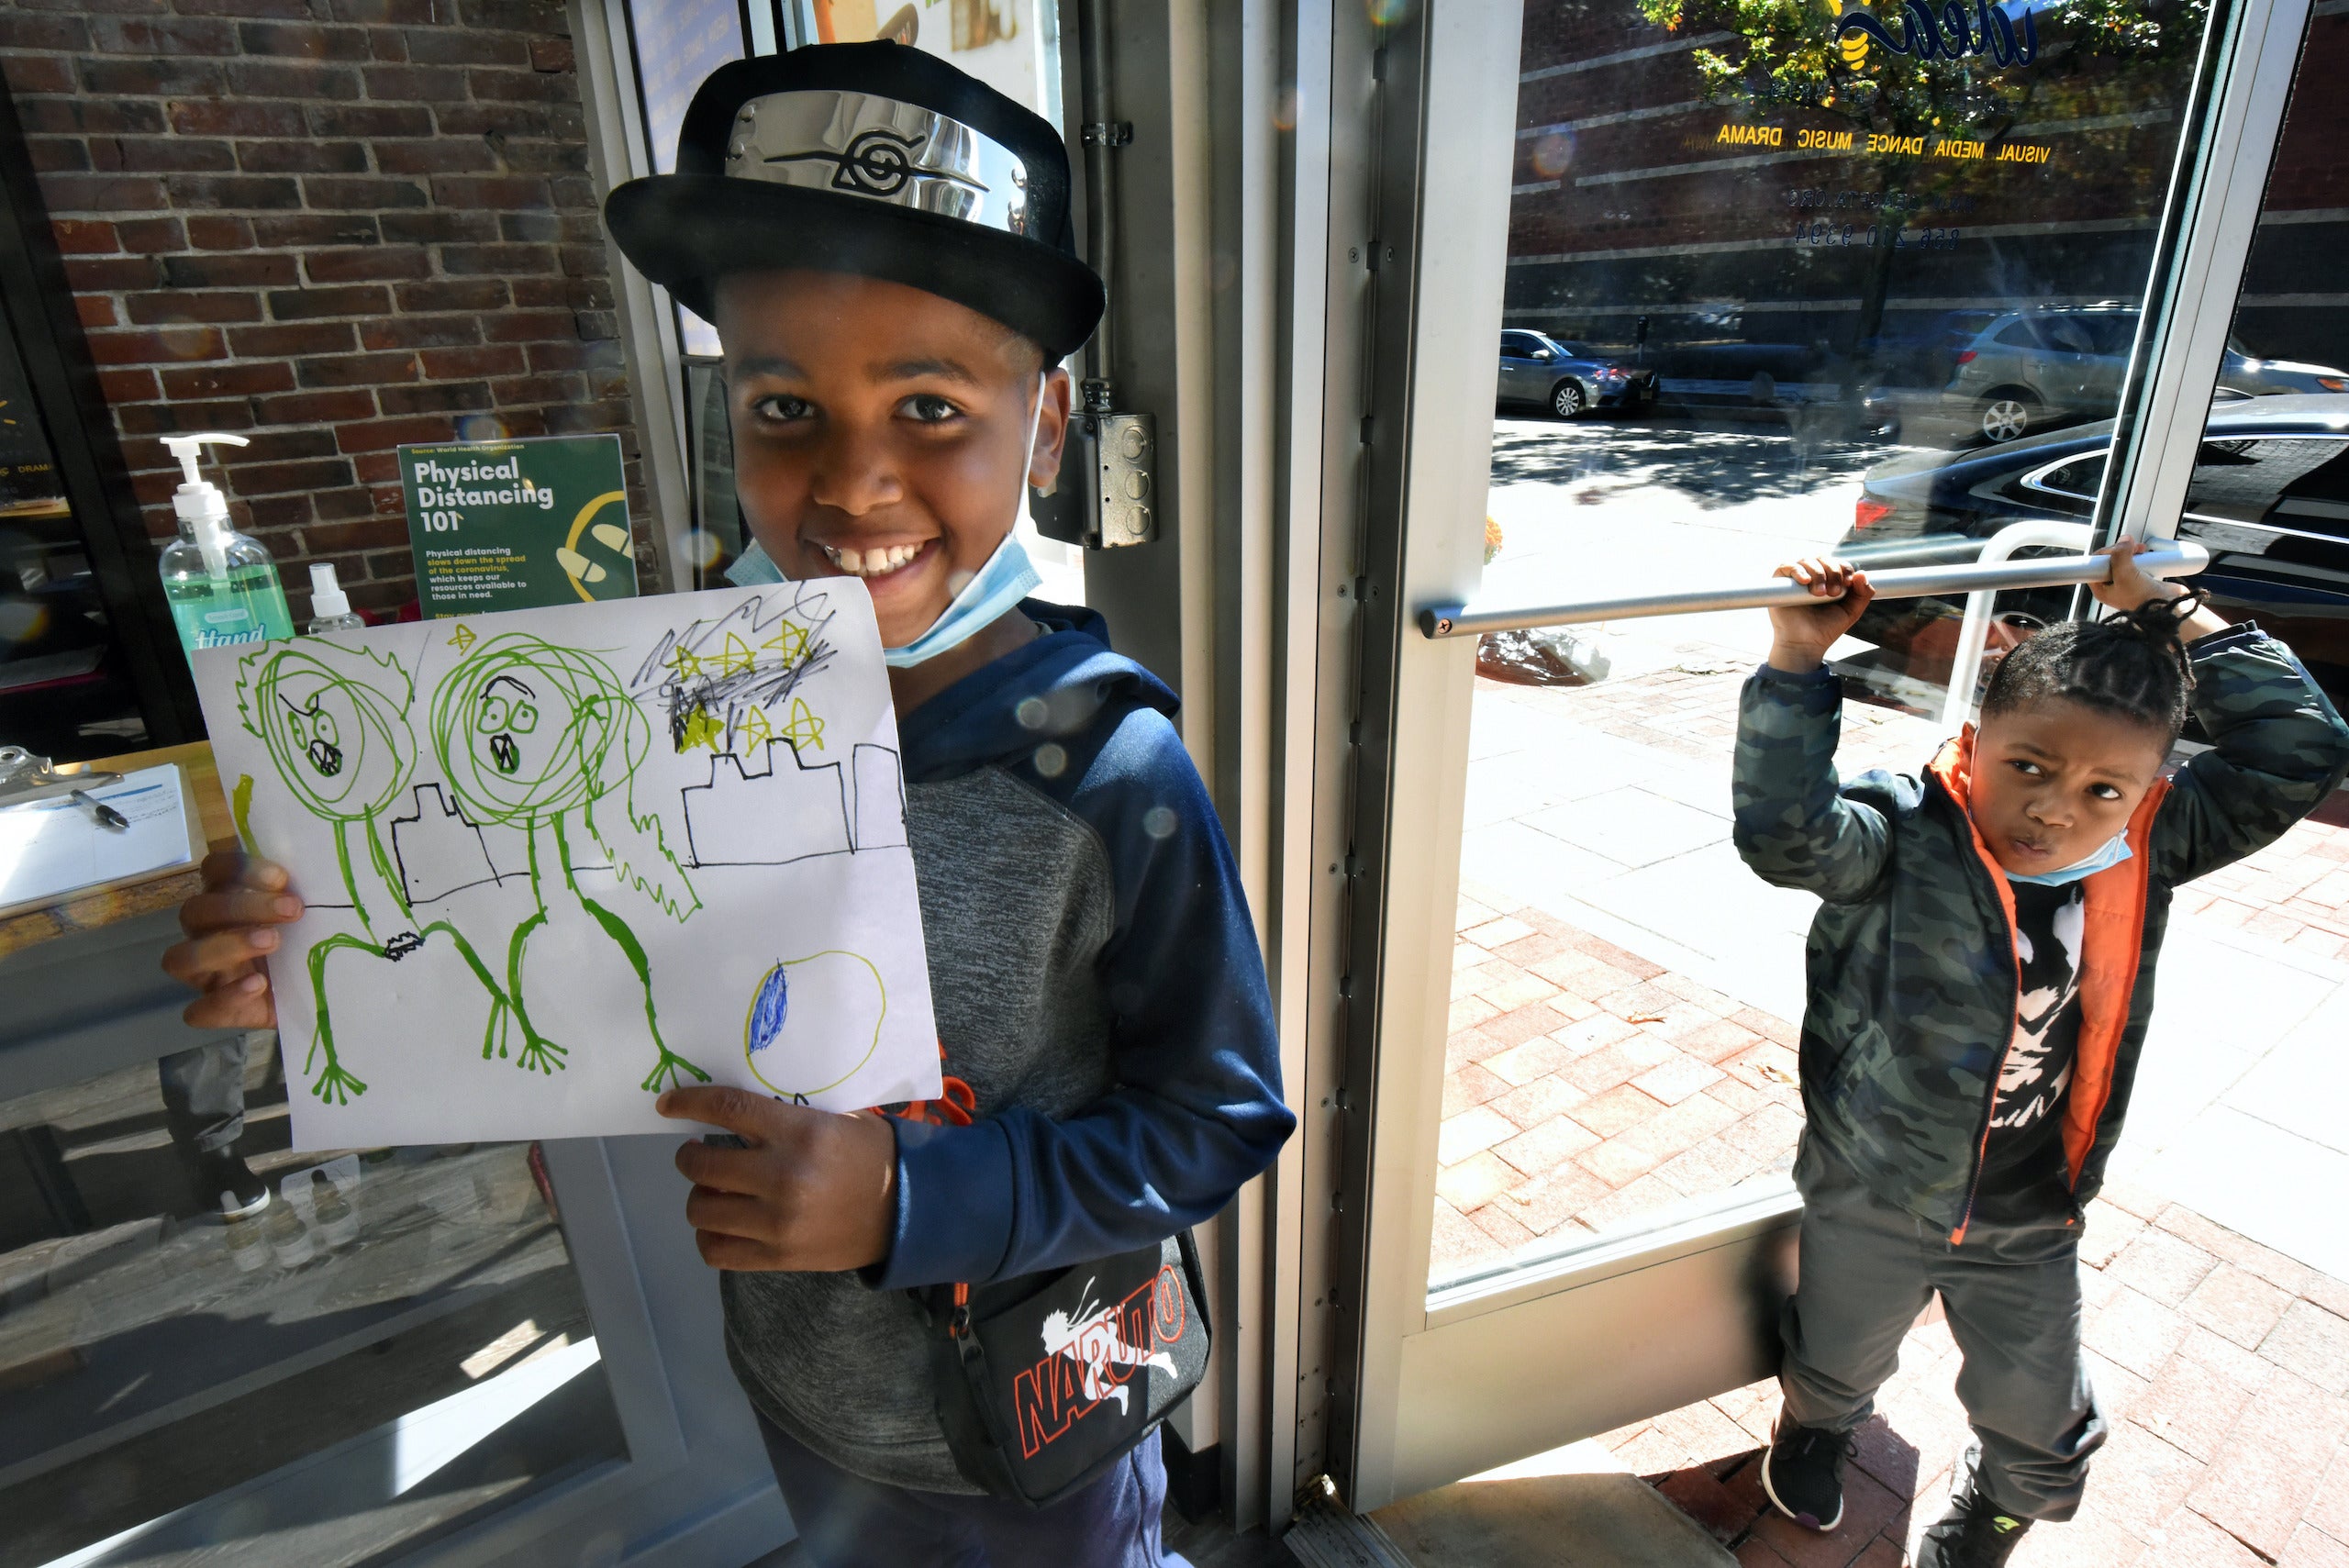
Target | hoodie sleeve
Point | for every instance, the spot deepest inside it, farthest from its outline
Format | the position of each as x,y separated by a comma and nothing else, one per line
1197,1107
2277,749
1794,826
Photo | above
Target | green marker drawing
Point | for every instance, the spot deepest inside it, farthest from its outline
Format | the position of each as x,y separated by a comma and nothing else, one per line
335,722
543,739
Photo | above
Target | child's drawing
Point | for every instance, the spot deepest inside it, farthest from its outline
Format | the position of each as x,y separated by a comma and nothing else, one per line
615,824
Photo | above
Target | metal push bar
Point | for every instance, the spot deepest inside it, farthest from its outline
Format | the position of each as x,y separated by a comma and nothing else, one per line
2180,558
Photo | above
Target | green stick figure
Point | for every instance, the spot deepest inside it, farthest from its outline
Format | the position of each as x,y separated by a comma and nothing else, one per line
543,739
335,722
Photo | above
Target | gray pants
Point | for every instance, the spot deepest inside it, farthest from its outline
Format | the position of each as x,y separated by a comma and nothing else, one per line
2012,1296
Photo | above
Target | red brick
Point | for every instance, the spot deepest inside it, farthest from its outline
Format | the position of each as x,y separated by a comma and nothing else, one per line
68,155
101,193
264,478
62,34
420,332
357,370
450,157
302,338
437,397
369,120
29,73
437,84
110,275
368,262
464,46
207,232
541,325
95,310
218,116
302,156
163,35
383,433
469,293
438,228
122,386
2311,1548
371,533
2313,1344
245,269
304,305
314,228
168,154
315,407
183,305
457,364
227,192
303,41
380,468
84,237
157,77
292,79
229,380
493,87
151,236
91,116
495,260
2259,1488
160,345
2190,1406
327,192
2164,1266
2236,1305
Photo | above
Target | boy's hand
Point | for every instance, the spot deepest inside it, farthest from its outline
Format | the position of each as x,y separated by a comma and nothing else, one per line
816,1191
231,926
1801,634
2130,587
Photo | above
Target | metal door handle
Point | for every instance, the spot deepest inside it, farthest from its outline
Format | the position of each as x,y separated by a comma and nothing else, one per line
2178,557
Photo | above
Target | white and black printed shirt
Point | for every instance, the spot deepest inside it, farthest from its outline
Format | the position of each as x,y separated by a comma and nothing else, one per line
2024,1176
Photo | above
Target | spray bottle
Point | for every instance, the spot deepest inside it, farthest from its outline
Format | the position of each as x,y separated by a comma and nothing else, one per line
330,606
222,585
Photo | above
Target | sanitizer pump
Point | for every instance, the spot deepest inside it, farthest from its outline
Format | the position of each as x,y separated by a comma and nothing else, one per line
222,585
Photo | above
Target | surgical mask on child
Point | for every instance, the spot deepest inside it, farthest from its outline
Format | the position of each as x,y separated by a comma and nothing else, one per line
2116,849
1007,576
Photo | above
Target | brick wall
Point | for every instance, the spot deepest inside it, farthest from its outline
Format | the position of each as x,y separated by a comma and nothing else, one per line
333,227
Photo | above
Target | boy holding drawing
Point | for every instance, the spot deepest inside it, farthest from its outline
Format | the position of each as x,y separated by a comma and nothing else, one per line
883,245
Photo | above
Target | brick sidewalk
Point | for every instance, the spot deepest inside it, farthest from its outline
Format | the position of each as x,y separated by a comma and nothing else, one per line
2223,1366
1586,1084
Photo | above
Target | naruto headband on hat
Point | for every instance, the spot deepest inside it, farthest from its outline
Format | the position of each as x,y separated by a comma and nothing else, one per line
861,144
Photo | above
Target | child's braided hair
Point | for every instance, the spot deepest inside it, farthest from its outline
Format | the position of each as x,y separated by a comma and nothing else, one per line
2133,664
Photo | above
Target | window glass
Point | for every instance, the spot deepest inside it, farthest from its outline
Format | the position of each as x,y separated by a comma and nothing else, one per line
390,1344
1782,232
2270,492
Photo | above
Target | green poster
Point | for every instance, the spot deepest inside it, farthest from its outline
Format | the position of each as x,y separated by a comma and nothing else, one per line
515,525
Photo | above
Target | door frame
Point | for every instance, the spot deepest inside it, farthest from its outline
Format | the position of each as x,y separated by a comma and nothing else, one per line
1422,1390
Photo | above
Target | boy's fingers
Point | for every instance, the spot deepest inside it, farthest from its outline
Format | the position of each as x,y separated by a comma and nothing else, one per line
754,1117
736,1252
208,912
730,1214
724,1170
204,962
243,1004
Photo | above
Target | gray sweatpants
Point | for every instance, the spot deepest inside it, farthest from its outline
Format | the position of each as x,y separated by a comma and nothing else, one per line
2012,1296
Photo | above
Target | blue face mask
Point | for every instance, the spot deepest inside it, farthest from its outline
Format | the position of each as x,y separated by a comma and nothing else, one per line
2116,849
1007,577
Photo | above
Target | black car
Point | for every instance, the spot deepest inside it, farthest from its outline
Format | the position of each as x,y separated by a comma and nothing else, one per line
2269,498
1568,379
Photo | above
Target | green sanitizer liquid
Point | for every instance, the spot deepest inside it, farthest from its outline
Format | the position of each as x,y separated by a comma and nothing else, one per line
222,585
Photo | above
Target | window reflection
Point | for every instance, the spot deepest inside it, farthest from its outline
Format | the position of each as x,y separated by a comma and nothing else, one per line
377,1346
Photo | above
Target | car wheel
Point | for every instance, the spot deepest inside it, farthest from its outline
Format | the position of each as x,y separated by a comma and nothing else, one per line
1566,400
2006,416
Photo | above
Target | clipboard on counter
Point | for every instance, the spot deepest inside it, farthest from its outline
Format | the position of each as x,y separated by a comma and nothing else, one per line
54,849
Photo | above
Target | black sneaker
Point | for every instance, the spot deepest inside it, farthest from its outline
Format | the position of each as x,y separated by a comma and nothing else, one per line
1973,1534
225,1173
1803,1473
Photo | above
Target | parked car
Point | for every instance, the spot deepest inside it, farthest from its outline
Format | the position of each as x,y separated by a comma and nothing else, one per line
2269,498
1568,379
2027,369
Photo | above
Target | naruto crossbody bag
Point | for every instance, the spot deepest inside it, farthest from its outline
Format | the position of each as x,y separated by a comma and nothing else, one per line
1046,1380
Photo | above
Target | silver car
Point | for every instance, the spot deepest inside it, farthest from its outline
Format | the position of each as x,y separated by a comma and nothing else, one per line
2028,369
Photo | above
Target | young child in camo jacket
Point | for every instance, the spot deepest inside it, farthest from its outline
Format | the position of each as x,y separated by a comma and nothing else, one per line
883,245
1981,978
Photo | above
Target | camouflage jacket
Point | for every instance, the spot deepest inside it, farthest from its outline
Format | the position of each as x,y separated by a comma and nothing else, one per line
1911,962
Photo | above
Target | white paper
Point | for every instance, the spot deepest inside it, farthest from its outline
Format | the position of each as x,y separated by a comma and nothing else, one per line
557,860
51,847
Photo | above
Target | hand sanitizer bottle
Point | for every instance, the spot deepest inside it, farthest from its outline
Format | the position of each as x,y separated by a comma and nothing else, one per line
330,606
222,585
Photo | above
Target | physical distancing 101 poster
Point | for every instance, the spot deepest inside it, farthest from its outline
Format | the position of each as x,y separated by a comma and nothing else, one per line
517,524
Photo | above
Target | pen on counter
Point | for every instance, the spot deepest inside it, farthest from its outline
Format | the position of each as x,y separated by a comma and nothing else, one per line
106,815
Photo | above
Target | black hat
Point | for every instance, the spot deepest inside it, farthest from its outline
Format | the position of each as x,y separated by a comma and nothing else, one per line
873,158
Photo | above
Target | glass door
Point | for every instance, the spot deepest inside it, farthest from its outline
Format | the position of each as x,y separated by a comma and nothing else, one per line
1668,293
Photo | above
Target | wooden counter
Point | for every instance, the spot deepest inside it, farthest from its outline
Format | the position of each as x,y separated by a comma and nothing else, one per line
91,910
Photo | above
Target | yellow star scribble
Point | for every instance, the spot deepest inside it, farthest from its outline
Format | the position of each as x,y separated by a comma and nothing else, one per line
804,730
790,640
755,730
462,639
684,661
701,729
737,658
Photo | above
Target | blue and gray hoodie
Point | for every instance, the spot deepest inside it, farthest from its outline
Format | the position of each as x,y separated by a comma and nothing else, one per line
1099,993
